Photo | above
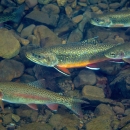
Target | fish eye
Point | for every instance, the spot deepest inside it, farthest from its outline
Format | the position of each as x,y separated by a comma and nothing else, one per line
97,20
112,54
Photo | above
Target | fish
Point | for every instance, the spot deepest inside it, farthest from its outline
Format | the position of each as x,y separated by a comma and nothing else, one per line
112,19
33,93
121,51
15,16
70,55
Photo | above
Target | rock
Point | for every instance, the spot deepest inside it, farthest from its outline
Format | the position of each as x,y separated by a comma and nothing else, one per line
118,110
103,5
61,2
94,8
127,112
9,45
68,10
63,121
124,121
7,119
42,32
75,36
127,127
110,68
2,127
77,19
84,4
16,118
44,1
36,126
119,39
93,1
33,39
24,113
100,123
10,69
92,92
34,116
31,3
43,17
27,78
85,77
102,110
114,5
27,31
20,1
51,9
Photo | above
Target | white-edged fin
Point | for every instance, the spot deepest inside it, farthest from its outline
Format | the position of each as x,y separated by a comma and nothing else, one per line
91,68
64,71
53,106
38,84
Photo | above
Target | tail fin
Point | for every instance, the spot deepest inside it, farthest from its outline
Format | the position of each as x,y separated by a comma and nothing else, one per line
18,13
75,106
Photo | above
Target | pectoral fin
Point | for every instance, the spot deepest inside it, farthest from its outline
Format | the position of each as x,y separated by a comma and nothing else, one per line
127,60
92,67
33,106
53,107
1,102
63,70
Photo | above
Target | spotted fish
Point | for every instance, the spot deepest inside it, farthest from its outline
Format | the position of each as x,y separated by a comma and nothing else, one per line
71,55
112,19
33,93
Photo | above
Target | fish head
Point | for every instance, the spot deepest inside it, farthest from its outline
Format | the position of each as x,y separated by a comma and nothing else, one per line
114,53
101,21
42,58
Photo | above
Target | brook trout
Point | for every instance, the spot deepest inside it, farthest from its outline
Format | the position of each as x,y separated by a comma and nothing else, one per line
112,19
73,55
33,93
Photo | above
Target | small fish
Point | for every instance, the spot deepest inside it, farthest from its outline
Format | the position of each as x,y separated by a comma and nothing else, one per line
121,51
112,19
70,55
33,93
15,16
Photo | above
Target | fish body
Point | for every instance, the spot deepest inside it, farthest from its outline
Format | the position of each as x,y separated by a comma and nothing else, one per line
31,94
121,51
71,55
14,16
112,19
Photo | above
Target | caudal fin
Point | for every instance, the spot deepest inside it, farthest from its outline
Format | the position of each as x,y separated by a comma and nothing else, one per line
76,106
18,13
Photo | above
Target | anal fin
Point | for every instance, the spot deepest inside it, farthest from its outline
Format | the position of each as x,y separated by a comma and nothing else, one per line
92,67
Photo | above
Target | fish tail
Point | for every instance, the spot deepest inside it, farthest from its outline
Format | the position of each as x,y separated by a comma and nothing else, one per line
18,13
75,106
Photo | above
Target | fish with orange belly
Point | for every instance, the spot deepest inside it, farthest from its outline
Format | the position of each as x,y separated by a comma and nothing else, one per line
70,55
33,93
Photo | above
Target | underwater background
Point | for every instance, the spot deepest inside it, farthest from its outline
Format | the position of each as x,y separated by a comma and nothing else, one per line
63,29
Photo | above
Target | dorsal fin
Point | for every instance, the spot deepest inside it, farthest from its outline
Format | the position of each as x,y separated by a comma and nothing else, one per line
38,84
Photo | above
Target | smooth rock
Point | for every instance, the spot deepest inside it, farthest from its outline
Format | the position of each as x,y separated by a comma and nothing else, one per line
41,32
27,31
36,126
33,39
7,119
16,118
118,110
94,8
92,92
103,5
61,2
127,127
114,5
85,77
60,121
31,3
51,9
124,121
43,17
93,1
9,45
2,127
10,69
44,1
100,123
68,10
77,19
103,109
75,36
20,1
127,112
